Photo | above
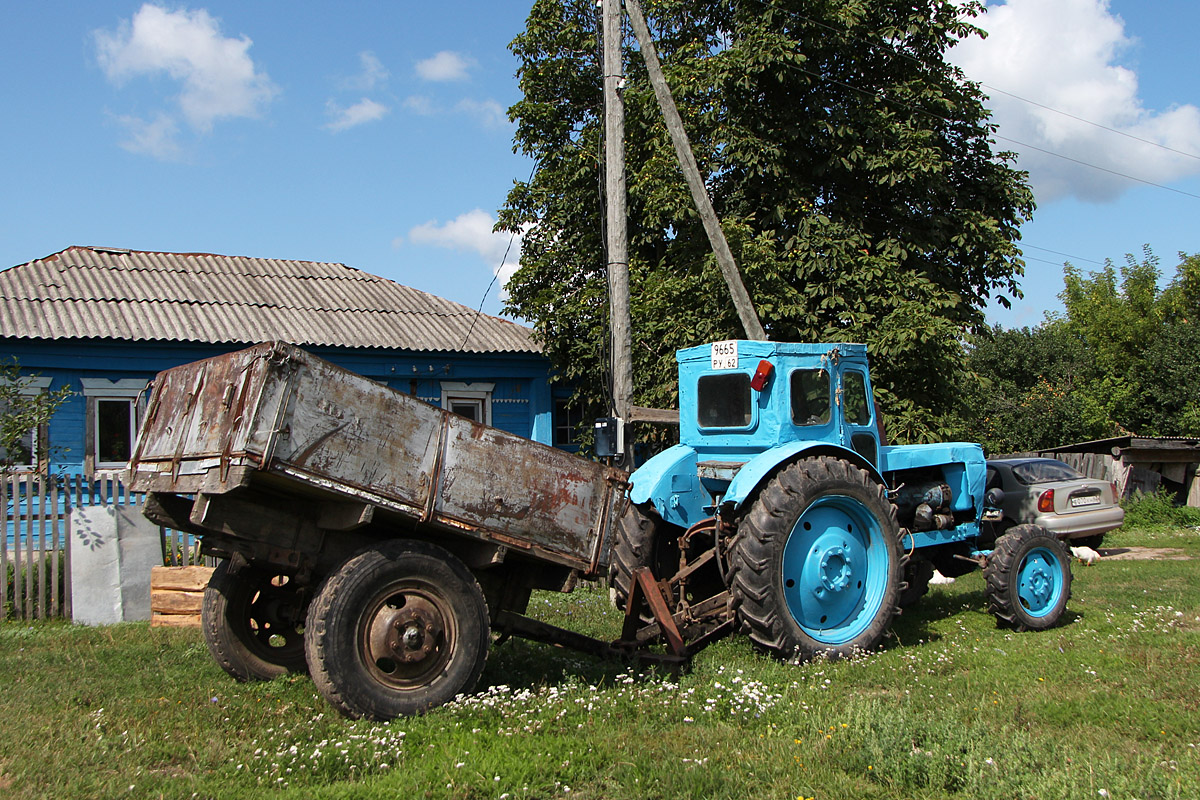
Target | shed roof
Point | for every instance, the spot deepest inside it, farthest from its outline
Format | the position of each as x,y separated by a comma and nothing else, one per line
110,293
1129,442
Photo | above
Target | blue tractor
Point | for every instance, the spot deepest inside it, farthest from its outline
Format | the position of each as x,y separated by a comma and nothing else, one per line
783,514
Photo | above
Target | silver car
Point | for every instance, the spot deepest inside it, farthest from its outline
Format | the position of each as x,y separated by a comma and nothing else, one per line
1054,495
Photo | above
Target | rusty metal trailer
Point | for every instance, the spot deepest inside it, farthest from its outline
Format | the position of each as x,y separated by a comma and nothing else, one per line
367,536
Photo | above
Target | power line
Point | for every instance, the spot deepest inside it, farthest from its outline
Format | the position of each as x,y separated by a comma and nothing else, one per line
495,275
917,61
1089,122
927,112
1065,255
1098,167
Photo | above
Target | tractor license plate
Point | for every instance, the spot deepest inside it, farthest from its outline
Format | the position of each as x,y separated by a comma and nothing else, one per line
1089,500
725,355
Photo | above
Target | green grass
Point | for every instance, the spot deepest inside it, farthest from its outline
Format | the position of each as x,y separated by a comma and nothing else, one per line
951,707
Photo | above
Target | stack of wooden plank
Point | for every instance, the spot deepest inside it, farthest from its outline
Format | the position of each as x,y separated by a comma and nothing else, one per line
177,595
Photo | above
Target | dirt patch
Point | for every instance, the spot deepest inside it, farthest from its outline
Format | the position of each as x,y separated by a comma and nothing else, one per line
1142,554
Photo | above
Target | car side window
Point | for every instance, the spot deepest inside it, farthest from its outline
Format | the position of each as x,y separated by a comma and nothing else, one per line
993,479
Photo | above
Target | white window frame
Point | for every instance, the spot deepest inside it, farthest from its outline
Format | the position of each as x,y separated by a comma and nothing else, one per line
123,390
29,387
477,394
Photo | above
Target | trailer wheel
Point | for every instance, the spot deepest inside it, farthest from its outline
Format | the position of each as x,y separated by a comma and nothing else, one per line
817,564
253,621
1028,578
397,630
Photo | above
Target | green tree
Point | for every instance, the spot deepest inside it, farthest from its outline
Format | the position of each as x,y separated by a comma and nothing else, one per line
1123,358
1140,337
852,166
1027,392
22,414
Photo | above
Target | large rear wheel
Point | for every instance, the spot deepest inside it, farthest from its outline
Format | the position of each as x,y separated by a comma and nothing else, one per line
253,621
816,569
397,630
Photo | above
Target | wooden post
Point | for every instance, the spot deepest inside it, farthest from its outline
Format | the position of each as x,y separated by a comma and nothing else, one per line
691,172
616,239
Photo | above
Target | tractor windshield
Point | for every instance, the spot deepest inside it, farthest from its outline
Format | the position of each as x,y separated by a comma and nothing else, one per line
810,397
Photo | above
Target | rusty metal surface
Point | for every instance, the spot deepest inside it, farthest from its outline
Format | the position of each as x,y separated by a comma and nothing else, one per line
279,410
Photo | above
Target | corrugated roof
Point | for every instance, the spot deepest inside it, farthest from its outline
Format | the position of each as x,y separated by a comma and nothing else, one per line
108,293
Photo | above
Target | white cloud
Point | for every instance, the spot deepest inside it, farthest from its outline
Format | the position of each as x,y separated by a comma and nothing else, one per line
1065,54
472,232
217,76
445,66
419,104
158,137
488,112
373,74
365,110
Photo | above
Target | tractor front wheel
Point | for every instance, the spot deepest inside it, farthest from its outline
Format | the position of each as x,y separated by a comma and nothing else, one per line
816,568
1028,578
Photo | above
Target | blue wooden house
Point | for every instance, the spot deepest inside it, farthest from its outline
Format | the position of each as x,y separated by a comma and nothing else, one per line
104,321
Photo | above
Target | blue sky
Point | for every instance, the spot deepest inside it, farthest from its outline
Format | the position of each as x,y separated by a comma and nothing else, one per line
374,133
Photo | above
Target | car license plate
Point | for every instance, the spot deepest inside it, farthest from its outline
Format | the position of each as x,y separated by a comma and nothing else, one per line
1089,500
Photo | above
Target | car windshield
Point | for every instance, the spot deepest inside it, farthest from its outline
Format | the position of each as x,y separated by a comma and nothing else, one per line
1044,472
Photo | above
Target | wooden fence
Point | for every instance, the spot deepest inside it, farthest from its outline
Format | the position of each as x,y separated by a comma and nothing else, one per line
35,539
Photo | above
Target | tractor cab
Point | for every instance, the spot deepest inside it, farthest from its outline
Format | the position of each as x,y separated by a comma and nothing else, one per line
741,398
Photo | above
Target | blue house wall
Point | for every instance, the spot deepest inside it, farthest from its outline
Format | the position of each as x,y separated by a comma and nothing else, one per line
522,401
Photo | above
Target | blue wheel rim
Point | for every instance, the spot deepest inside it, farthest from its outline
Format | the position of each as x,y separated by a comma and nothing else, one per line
835,570
1039,581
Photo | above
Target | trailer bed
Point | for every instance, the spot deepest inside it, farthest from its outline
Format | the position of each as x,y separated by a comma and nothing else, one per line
275,421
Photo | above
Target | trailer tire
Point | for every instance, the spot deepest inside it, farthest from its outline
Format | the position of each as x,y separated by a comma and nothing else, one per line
816,567
1028,579
397,630
253,622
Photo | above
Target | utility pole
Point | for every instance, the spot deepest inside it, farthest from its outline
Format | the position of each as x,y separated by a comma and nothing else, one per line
687,162
617,245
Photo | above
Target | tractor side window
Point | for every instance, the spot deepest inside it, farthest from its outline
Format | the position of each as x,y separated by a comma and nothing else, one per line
857,407
810,397
724,401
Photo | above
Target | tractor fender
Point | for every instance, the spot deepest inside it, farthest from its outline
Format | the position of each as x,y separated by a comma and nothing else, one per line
756,470
668,482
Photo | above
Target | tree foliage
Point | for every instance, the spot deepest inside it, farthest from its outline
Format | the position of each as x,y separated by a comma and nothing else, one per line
852,168
22,414
1123,358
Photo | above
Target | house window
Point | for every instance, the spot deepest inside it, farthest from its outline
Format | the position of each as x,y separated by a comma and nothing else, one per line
24,455
566,423
28,450
116,428
112,419
470,400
